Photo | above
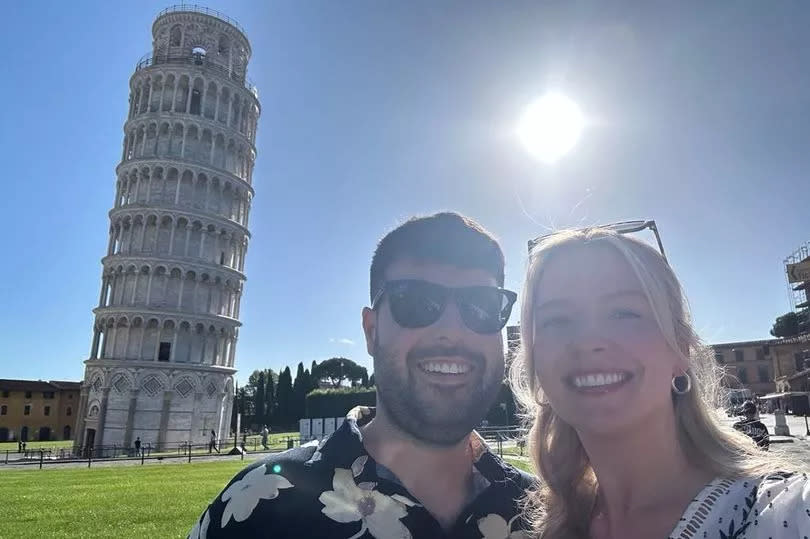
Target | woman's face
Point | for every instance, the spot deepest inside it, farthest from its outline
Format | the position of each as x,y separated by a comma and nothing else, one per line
599,354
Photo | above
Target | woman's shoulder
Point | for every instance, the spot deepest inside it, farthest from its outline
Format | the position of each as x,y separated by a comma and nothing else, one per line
776,503
772,505
784,488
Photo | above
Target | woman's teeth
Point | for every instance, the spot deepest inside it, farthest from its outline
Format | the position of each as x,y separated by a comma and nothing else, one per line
600,379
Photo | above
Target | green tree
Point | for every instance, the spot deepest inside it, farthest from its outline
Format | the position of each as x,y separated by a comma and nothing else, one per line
336,370
259,400
364,380
284,399
300,390
371,380
269,398
786,325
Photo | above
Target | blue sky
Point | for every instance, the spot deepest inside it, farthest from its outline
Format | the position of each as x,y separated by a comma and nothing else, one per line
375,111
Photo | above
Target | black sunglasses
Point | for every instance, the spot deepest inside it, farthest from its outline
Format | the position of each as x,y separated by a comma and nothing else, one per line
623,227
418,304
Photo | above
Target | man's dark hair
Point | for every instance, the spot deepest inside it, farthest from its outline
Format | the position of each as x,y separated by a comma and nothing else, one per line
442,238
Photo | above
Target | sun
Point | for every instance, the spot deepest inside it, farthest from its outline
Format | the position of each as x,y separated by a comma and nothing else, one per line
550,127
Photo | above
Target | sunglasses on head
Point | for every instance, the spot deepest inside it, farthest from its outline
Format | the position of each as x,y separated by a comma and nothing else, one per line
416,303
623,227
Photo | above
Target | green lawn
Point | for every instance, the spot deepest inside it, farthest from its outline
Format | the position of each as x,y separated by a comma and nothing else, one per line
156,500
524,465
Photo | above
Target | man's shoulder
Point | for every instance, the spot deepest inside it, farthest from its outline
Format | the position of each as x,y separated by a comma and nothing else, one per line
524,479
279,487
513,476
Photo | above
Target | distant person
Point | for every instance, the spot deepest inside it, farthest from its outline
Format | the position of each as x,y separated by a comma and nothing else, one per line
752,426
138,446
212,442
413,467
265,434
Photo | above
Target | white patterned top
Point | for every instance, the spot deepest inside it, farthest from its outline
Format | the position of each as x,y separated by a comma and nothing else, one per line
770,507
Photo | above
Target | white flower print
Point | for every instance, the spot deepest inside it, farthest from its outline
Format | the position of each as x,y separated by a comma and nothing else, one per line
378,513
244,495
494,526
200,530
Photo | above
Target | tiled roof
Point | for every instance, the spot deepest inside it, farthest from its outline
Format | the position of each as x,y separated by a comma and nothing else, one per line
26,385
67,385
39,385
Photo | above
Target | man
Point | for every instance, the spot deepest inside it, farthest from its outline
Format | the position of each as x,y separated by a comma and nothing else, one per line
753,427
212,442
265,434
138,446
412,467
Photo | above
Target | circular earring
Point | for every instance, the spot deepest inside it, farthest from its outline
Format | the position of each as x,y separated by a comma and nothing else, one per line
677,390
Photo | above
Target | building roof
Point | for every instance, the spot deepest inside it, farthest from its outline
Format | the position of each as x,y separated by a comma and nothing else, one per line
743,344
803,338
38,385
66,385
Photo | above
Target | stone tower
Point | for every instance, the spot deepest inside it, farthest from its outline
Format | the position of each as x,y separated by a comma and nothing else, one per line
161,363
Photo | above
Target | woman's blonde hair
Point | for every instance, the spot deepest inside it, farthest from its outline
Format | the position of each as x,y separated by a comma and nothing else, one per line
561,505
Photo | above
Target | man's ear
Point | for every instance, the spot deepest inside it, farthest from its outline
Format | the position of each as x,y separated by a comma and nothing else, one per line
369,327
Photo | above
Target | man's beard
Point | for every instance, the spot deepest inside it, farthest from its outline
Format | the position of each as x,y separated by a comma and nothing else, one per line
434,415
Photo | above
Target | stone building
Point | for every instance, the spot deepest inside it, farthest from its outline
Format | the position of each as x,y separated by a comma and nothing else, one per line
38,410
162,358
766,366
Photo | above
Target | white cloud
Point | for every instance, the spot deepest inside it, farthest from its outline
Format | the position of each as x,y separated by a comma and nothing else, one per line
342,341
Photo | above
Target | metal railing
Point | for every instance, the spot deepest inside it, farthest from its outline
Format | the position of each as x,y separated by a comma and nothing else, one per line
199,60
503,440
194,8
147,452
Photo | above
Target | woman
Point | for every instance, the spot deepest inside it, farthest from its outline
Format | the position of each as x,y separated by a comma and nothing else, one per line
620,391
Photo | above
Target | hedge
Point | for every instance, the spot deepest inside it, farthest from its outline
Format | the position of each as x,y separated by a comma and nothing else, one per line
338,402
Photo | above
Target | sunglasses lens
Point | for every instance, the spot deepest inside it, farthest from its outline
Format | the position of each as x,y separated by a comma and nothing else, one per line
416,304
484,309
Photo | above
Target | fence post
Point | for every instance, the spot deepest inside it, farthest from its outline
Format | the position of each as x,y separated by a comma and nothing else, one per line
89,456
189,453
142,454
6,456
41,453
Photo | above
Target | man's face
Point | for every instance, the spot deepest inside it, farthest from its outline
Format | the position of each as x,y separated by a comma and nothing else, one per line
433,406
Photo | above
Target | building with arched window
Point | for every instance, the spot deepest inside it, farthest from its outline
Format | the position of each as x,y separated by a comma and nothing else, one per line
163,352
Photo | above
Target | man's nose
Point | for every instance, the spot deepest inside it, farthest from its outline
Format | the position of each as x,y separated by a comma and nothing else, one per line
450,324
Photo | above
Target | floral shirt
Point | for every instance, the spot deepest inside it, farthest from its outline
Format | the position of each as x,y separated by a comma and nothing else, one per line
771,507
336,490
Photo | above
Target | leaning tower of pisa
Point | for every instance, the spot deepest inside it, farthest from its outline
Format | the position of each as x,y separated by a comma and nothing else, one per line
161,363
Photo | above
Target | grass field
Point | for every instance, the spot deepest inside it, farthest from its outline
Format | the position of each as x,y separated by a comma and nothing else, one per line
157,500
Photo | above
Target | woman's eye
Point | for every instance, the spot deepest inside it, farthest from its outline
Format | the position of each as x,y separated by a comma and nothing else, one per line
556,322
624,313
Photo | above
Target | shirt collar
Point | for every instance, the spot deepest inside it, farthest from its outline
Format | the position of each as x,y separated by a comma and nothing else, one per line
346,444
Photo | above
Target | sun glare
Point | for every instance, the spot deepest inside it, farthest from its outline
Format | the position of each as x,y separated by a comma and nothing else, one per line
550,127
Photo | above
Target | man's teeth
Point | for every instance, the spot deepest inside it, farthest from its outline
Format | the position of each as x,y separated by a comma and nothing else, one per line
601,379
445,367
